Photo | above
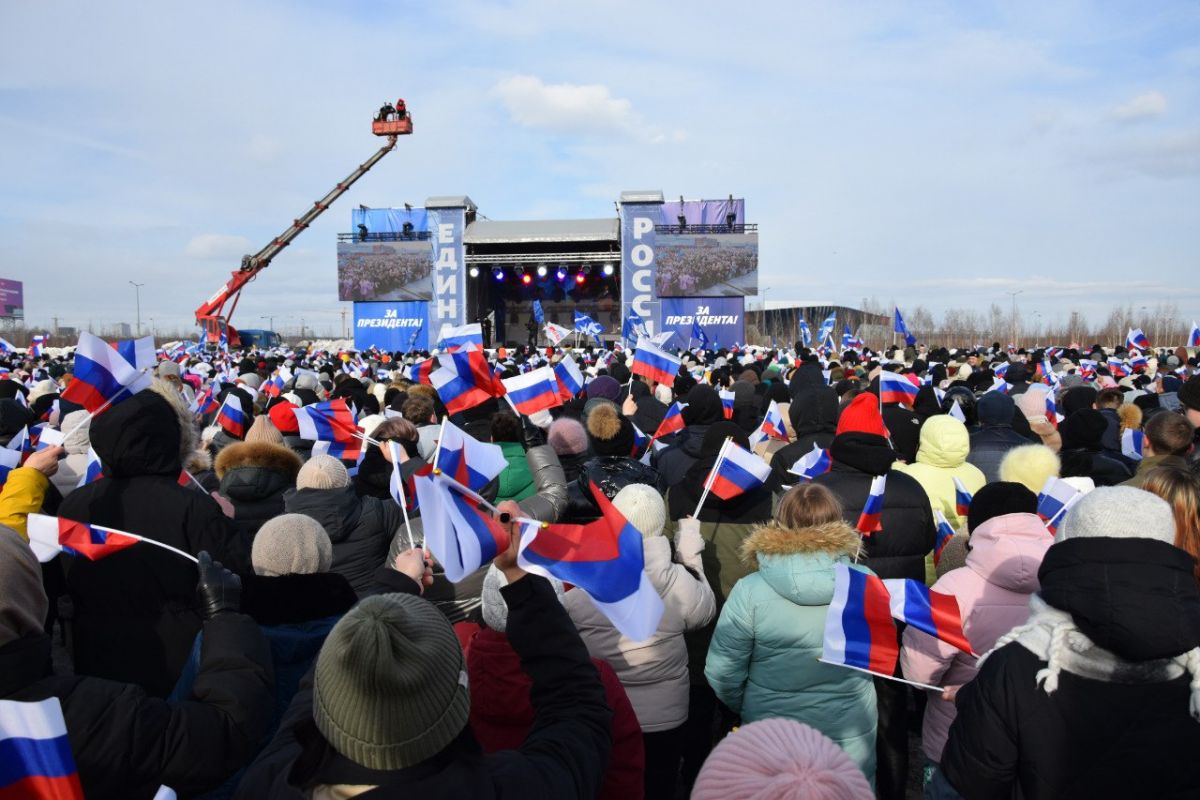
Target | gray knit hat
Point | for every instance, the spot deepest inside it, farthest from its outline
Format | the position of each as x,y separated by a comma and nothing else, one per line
291,544
1119,512
323,472
643,506
491,603
390,689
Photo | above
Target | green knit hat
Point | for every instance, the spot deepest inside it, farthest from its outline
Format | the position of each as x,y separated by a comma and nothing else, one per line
390,689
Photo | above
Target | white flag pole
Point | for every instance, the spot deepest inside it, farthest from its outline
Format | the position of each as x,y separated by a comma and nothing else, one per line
712,476
888,677
395,450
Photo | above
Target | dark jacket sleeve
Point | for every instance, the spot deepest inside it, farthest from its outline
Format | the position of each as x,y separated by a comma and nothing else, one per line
566,751
209,529
980,759
190,746
389,581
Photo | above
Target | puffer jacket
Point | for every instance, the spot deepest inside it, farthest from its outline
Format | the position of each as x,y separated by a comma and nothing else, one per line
993,592
654,672
254,477
989,445
516,483
942,457
72,468
763,658
611,474
674,461
360,528
813,416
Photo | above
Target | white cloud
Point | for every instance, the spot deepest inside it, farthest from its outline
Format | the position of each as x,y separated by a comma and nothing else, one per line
577,109
217,245
1144,106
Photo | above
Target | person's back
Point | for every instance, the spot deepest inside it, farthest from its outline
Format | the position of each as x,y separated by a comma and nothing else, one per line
995,436
254,477
941,458
1098,694
134,613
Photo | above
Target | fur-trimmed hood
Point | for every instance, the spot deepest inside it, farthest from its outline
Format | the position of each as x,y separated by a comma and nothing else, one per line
834,538
263,455
798,564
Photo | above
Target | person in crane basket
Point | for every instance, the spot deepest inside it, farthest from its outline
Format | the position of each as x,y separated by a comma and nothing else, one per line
386,112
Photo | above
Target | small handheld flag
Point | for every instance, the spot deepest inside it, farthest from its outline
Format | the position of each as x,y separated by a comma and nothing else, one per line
231,418
771,427
931,612
1055,498
536,390
37,760
870,520
896,388
570,379
1194,336
49,536
727,399
94,470
331,422
465,459
556,333
945,532
737,471
462,536
456,337
858,626
816,462
672,422
654,363
962,498
102,376
1136,340
9,460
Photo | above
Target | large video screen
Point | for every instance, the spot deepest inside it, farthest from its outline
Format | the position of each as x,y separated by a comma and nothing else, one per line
385,270
706,265
12,299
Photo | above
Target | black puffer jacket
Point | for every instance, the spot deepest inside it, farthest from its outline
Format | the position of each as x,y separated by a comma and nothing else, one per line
1118,722
897,551
135,612
254,477
127,744
813,414
360,528
673,461
611,474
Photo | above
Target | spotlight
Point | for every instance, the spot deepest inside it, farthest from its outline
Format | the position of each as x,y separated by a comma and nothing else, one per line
526,278
608,270
682,223
541,270
499,274
580,278
561,275
473,272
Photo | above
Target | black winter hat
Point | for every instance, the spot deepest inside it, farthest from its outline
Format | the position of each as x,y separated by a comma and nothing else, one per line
1085,428
716,435
997,499
1189,393
609,432
1077,398
703,406
995,408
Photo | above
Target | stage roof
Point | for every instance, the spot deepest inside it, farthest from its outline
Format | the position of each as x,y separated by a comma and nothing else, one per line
550,230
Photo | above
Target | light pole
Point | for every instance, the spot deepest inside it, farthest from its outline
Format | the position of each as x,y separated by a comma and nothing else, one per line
1013,295
270,322
137,293
1037,329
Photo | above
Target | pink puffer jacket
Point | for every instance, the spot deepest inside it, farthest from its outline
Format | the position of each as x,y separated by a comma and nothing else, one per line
993,592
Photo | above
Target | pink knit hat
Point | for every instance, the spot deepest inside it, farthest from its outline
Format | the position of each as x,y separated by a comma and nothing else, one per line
780,759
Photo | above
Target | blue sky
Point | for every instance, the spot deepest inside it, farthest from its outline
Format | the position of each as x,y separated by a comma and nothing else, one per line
932,153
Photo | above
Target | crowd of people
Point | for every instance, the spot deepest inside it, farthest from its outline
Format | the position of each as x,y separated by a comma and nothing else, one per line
384,271
311,650
703,267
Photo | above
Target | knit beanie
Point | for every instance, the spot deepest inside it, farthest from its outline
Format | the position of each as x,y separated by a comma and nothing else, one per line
1189,393
390,686
23,602
780,759
323,472
283,417
1119,512
1029,465
1076,398
862,416
715,436
263,431
605,387
492,606
995,408
610,433
1085,428
291,544
997,499
251,379
643,506
567,437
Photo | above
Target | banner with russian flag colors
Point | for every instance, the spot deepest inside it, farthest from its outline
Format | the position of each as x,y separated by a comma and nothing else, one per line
654,363
102,376
9,460
231,418
456,337
464,379
931,612
331,422
672,421
35,754
1055,498
1136,340
737,471
896,388
962,498
859,631
727,398
816,462
1194,336
49,536
1132,441
602,558
871,518
465,459
945,532
569,377
536,390
94,470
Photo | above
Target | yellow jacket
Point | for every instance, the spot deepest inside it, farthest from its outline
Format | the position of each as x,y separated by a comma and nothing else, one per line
23,495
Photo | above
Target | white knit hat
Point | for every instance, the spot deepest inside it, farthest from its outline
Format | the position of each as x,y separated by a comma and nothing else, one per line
643,506
492,606
1119,512
323,472
291,544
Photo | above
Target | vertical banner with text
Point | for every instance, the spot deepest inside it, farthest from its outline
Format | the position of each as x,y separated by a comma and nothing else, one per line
449,303
640,212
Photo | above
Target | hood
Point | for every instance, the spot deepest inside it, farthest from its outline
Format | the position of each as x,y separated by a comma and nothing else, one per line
703,406
1008,550
798,564
138,436
864,452
263,455
247,484
814,410
77,425
1136,598
338,510
944,442
807,376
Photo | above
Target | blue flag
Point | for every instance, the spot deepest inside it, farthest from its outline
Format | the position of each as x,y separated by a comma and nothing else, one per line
805,333
412,340
538,314
634,327
587,325
698,334
827,326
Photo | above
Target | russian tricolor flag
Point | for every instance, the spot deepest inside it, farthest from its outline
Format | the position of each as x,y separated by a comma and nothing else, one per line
273,386
463,380
231,418
455,337
460,535
1138,361
1055,498
49,536
859,631
9,460
945,532
570,379
654,363
998,385
771,427
816,462
536,390
870,520
102,376
962,498
1131,443
467,460
331,422
737,471
932,612
36,346
1136,340
94,470
672,421
419,372
727,397
138,352
35,753
604,559
1194,336
896,388
205,403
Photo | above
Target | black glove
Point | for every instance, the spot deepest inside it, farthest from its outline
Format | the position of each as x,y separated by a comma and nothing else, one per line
531,435
219,589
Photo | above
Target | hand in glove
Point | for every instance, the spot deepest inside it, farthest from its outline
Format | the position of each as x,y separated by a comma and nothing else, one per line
219,589
532,436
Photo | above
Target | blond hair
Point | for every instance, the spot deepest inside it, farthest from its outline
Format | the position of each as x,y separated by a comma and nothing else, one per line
1182,490
807,505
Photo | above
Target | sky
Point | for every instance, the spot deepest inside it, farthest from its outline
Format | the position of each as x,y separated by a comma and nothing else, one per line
941,154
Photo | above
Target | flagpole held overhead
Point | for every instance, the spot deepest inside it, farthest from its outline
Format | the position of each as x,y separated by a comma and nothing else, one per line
712,476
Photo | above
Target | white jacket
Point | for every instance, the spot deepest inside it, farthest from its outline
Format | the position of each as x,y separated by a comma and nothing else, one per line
654,672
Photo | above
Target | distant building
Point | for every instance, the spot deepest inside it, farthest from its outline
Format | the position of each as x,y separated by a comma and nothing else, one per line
780,320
